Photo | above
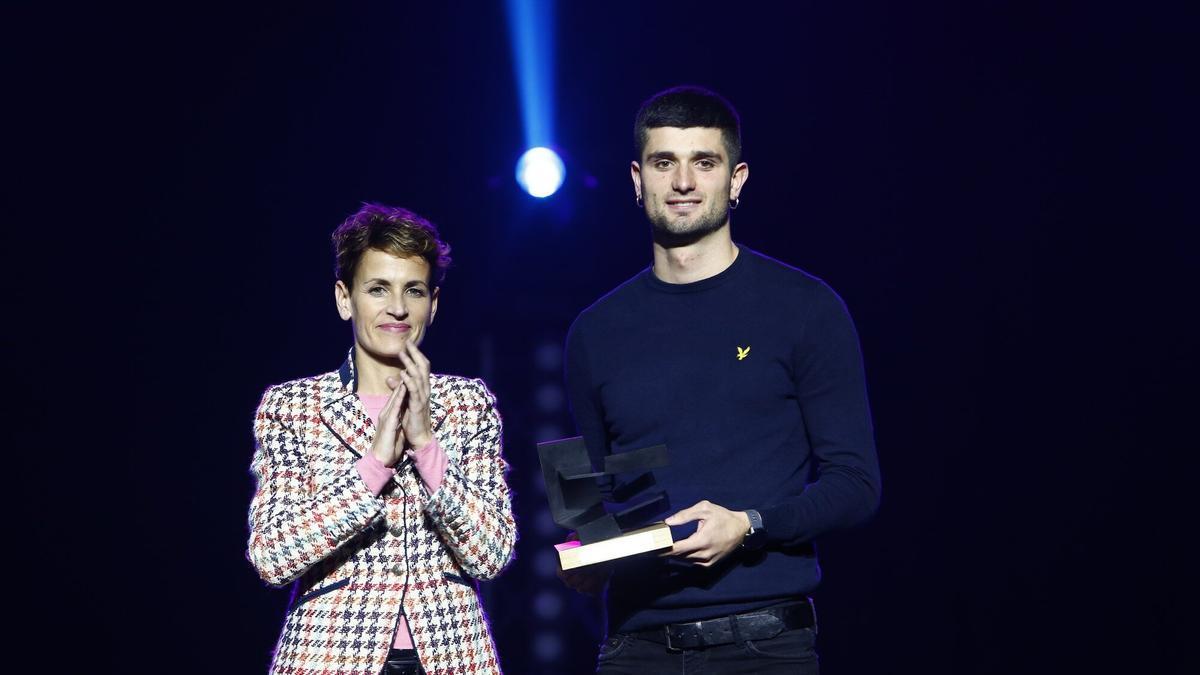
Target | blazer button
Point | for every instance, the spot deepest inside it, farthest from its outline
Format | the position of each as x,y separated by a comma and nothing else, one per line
398,569
397,531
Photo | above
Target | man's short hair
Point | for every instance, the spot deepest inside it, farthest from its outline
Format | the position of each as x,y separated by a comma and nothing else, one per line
393,230
686,107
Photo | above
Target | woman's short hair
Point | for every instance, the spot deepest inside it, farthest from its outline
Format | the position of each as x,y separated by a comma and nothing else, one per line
393,230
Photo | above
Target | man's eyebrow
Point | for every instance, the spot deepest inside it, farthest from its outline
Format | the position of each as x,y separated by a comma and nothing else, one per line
699,154
414,282
377,282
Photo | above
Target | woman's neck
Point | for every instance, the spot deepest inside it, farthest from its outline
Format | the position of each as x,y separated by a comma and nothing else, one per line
372,374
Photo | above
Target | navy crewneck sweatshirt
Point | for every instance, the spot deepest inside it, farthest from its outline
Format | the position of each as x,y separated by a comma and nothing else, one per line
753,378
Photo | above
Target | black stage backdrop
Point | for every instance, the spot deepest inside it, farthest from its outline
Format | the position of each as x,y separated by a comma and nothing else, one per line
1003,193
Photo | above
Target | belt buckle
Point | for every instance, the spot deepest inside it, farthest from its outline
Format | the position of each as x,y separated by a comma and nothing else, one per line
667,631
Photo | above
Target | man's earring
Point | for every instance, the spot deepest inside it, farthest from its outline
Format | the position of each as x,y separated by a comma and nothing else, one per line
639,201
733,203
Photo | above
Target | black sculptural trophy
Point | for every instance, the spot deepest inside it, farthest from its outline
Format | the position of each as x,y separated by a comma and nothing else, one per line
576,502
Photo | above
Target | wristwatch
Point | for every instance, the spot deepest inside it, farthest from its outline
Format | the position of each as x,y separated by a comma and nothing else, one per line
757,536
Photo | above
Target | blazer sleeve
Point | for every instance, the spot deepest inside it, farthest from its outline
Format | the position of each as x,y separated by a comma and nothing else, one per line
293,524
472,510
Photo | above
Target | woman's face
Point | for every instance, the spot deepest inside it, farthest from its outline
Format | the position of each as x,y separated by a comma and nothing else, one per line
390,302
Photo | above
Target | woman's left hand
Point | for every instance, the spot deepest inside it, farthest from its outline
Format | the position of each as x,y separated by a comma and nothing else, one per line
415,420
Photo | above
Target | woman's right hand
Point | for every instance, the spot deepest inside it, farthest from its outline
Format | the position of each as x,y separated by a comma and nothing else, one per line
388,447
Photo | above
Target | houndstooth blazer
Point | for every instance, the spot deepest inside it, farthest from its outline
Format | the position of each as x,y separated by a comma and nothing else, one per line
355,558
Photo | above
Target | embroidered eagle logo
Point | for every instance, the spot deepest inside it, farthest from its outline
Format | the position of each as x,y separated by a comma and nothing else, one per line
743,353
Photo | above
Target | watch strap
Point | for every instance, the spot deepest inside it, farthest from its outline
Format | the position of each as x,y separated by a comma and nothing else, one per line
757,534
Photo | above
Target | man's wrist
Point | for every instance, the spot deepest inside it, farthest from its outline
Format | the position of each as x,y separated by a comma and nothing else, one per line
756,536
747,524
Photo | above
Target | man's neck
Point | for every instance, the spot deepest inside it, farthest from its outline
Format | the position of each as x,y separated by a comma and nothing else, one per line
699,260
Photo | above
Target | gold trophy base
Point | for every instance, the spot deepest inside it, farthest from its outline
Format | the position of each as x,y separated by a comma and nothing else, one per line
572,554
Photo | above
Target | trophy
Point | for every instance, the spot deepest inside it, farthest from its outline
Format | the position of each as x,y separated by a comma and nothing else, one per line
577,503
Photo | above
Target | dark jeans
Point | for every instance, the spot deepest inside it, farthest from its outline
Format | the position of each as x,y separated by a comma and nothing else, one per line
792,652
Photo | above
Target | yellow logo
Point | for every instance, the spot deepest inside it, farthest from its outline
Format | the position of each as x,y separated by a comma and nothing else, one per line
743,353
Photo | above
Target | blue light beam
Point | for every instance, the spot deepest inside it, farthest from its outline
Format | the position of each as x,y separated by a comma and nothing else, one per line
540,172
531,34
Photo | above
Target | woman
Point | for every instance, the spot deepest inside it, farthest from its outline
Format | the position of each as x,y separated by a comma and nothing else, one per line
380,488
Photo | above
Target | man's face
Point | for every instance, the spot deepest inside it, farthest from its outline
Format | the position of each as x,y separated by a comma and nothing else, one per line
389,302
686,182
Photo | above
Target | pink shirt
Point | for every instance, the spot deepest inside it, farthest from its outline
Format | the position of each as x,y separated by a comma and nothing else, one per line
430,462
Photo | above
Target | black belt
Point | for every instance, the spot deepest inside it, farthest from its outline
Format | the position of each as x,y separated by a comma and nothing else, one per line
761,624
402,662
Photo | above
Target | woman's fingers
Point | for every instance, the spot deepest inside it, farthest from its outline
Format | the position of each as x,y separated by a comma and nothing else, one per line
394,397
388,446
419,358
415,362
415,377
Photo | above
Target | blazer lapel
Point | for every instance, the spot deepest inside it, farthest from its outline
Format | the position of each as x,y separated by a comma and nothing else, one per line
347,418
344,413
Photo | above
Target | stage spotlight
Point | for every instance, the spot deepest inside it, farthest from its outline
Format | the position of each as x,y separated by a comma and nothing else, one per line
540,172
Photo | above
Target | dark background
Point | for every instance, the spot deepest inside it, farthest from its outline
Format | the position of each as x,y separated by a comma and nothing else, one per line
1003,193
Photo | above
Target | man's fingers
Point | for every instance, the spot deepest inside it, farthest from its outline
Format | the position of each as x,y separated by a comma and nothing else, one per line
685,547
694,512
699,553
586,580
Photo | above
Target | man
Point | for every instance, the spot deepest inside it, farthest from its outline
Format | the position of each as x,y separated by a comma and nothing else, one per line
750,372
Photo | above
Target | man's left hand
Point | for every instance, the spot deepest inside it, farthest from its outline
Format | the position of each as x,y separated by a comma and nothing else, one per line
720,531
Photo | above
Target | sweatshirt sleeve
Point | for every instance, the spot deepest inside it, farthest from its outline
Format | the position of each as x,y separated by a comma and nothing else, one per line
582,394
830,387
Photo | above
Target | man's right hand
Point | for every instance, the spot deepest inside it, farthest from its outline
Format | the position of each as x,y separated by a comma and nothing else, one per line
388,446
589,580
